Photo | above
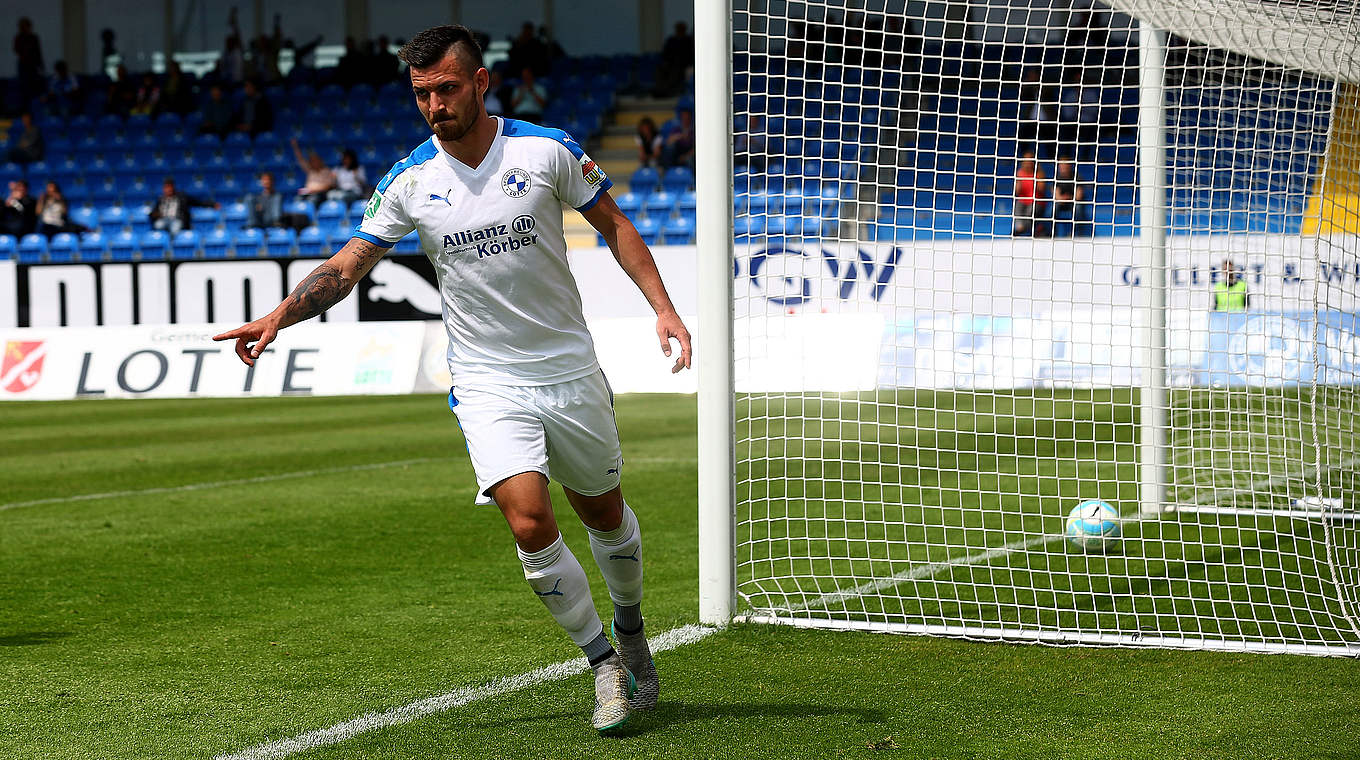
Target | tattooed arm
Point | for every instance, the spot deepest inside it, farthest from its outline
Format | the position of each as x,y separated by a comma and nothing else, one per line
320,290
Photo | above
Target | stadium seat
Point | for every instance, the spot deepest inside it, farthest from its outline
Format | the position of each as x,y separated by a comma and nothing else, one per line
312,242
649,228
86,217
299,207
678,179
62,248
122,246
247,243
678,231
9,247
749,226
234,216
153,244
216,244
93,246
630,204
409,245
688,203
660,204
32,248
279,242
185,245
331,213
645,179
204,217
356,209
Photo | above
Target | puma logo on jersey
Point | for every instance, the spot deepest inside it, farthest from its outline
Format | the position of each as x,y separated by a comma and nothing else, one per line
633,556
444,197
554,591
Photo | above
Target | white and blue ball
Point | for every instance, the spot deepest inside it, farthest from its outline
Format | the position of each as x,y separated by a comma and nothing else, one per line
1093,526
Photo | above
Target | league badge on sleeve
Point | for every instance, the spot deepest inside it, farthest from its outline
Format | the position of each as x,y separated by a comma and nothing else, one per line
515,183
374,203
590,171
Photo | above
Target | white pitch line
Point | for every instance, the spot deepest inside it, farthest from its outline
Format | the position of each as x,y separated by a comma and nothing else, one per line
215,484
275,750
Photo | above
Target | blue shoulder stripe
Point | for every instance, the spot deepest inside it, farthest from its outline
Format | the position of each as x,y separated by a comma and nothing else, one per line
423,152
517,128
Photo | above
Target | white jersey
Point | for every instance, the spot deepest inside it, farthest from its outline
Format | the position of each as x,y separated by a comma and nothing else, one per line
494,235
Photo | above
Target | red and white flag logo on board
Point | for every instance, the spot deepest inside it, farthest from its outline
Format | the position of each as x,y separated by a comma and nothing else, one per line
22,365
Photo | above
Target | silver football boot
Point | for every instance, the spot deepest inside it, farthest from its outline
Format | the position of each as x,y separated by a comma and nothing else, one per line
614,686
638,657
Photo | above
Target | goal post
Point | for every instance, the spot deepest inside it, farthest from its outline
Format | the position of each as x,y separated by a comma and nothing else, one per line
964,266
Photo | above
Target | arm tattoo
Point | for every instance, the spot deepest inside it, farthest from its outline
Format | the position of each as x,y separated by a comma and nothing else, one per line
321,290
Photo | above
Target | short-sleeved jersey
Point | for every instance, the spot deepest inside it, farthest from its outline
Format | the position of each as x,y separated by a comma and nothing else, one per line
494,234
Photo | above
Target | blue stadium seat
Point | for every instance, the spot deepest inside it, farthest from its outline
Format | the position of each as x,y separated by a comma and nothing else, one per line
299,207
312,242
279,242
86,217
678,179
153,244
747,227
93,246
678,231
204,217
216,244
356,209
62,248
122,246
630,204
408,245
645,179
331,213
9,247
234,217
688,204
660,204
338,236
247,243
112,219
186,244
649,229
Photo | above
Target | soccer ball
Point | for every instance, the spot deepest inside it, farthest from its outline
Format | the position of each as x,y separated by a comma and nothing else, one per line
1093,526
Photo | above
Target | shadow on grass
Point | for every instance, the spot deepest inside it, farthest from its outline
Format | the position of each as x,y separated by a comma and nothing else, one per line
668,714
32,638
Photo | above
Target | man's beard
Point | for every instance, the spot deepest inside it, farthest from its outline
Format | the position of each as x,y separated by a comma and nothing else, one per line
451,130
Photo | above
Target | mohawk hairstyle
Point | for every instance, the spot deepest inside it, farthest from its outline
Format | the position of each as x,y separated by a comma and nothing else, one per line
430,46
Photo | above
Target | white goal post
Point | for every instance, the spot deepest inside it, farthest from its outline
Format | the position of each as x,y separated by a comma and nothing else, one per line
965,265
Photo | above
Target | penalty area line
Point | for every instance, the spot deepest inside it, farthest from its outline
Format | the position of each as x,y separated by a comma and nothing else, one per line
216,483
275,750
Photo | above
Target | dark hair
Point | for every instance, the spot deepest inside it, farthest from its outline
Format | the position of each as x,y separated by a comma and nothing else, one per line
348,153
430,46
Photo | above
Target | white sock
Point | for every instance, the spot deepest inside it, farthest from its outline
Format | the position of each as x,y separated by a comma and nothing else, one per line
618,552
560,583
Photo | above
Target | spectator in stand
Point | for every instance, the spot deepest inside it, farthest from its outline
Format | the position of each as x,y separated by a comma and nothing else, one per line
529,99
54,213
304,56
176,94
255,114
677,57
648,143
264,54
1031,190
1038,114
231,67
28,60
217,113
351,68
351,182
384,67
148,97
29,147
320,179
678,149
170,212
122,93
528,51
1071,201
495,105
265,208
63,91
551,48
19,215
108,47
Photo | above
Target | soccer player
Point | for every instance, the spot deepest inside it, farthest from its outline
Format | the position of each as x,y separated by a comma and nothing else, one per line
485,195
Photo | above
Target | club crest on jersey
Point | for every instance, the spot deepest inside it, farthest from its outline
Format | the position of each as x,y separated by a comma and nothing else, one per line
22,365
590,171
515,183
374,203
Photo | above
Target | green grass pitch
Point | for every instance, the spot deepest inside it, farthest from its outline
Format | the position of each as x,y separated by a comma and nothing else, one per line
288,564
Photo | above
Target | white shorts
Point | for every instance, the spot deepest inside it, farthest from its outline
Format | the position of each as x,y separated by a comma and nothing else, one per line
565,431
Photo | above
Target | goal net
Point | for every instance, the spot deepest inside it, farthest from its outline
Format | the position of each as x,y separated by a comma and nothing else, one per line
996,259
